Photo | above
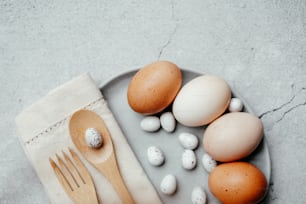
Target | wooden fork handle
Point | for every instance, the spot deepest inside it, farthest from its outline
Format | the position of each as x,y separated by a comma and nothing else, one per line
90,198
112,173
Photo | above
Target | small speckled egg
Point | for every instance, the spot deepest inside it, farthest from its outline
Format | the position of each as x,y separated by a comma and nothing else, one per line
155,156
168,184
188,140
189,160
208,163
167,121
235,105
198,196
237,182
154,87
93,138
150,123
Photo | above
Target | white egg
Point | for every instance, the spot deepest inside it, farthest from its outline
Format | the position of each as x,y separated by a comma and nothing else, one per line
208,162
198,196
167,121
93,138
168,184
188,140
150,123
235,105
201,100
155,156
189,160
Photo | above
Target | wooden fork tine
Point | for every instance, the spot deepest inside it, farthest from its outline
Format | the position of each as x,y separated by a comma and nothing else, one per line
60,177
80,166
73,170
66,173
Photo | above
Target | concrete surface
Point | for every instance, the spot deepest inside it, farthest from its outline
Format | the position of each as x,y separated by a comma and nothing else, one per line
259,47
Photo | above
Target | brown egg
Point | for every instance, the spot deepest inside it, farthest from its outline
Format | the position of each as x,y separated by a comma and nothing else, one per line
154,87
237,182
233,136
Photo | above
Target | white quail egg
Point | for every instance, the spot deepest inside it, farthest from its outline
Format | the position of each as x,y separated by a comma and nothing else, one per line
235,105
150,123
208,162
198,196
188,140
155,156
168,184
167,121
188,159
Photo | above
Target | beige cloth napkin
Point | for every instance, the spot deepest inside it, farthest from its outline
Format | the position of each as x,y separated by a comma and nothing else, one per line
44,131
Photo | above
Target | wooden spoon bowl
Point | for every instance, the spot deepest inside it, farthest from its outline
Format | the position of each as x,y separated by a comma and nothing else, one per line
103,158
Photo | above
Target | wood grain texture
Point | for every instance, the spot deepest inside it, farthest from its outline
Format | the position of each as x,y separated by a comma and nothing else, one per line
104,158
75,179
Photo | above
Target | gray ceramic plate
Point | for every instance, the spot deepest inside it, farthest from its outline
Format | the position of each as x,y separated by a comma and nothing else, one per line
115,92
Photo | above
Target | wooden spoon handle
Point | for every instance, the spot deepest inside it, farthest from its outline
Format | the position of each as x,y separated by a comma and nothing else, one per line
111,171
120,187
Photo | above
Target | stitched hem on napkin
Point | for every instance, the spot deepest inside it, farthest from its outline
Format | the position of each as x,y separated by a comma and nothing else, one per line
58,123
34,124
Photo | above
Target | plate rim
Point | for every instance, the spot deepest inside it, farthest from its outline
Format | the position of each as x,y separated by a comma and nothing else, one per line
102,86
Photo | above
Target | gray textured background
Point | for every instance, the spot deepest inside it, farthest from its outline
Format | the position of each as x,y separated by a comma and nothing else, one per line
259,47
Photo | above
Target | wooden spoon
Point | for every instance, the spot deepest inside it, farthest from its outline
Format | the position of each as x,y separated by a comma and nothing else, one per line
103,158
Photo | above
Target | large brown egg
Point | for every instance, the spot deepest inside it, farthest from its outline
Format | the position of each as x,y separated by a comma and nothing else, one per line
237,182
154,87
233,136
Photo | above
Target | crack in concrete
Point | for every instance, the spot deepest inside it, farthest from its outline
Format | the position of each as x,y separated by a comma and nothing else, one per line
168,42
289,110
283,105
271,191
171,34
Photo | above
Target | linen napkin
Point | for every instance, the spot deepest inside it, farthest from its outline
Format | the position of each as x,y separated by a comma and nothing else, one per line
44,131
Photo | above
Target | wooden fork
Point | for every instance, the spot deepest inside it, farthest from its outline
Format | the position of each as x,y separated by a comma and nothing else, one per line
75,179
